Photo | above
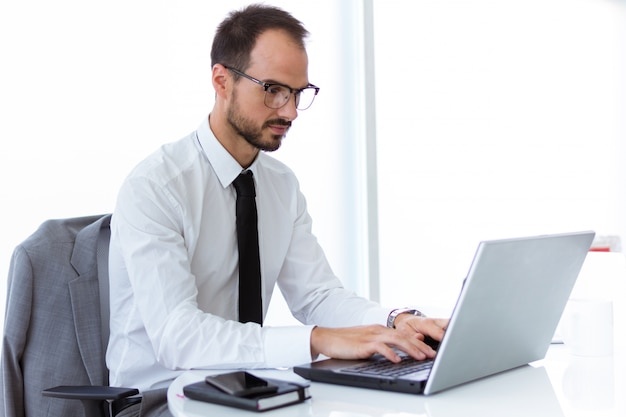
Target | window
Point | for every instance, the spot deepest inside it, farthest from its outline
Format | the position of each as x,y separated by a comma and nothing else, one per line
495,119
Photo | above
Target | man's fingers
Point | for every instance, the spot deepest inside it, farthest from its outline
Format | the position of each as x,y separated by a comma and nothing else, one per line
365,341
389,353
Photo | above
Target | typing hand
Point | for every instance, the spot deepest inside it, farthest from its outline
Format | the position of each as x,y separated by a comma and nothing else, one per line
364,341
422,328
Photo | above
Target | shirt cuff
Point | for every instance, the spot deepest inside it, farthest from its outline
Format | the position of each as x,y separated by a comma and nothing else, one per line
287,345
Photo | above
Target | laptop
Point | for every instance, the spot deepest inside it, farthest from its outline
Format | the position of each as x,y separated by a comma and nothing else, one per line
505,317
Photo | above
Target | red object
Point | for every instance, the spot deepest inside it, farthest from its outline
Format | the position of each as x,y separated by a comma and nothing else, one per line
600,249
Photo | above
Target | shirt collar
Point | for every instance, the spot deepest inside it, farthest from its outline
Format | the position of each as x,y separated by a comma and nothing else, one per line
225,166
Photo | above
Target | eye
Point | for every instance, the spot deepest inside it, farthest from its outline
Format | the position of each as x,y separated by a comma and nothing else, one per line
277,90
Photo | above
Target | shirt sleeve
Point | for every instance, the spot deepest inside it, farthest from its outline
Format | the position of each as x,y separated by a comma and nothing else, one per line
314,293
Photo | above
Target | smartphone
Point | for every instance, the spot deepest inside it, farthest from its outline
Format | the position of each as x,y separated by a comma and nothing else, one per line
241,384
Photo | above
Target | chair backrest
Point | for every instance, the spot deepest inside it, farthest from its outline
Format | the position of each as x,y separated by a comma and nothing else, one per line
56,327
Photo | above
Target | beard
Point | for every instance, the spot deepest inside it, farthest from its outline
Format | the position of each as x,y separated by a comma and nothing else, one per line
251,133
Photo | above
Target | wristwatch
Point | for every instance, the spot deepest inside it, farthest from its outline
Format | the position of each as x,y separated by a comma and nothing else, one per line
394,313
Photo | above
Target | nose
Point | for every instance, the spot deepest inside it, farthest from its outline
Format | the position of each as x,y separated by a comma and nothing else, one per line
289,110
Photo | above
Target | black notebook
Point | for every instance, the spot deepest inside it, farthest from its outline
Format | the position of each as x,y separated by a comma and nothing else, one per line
288,393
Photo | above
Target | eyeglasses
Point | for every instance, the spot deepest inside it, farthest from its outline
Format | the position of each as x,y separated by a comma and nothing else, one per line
277,95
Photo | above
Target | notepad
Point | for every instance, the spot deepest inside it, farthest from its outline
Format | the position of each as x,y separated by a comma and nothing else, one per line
288,393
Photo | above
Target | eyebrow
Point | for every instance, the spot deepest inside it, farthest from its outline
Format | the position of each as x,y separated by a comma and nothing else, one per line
270,81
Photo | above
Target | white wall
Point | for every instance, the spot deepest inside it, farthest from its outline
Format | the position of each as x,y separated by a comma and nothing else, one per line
89,88
495,119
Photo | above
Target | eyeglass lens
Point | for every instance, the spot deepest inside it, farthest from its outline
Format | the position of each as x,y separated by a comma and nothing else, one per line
276,96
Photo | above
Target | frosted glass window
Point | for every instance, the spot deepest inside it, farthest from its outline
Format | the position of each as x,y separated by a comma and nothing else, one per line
495,119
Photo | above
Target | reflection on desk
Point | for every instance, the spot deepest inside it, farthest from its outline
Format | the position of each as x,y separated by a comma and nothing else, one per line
559,386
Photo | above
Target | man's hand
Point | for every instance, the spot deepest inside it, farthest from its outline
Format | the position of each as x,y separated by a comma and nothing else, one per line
420,327
364,341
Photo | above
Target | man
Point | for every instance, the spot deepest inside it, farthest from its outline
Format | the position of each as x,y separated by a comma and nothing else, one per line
174,262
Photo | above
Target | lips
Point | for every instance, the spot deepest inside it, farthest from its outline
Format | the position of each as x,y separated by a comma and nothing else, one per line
278,127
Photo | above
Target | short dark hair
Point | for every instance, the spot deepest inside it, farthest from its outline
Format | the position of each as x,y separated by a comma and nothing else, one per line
237,34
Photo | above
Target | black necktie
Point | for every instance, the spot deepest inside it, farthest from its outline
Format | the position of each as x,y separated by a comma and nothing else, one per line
250,304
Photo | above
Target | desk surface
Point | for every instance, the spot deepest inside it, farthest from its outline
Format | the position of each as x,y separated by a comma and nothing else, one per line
559,385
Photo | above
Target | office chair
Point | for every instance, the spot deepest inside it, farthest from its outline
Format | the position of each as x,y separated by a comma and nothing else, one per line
57,324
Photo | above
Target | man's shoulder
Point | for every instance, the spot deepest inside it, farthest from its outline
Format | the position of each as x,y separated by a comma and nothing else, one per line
169,160
274,166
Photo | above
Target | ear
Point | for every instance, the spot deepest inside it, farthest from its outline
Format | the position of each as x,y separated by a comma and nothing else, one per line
221,79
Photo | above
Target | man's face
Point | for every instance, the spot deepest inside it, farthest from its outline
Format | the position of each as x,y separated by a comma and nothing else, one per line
274,59
266,136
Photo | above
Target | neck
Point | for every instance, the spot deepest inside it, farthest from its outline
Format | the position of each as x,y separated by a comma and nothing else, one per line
243,152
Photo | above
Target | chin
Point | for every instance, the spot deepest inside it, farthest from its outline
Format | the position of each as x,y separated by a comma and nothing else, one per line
273,144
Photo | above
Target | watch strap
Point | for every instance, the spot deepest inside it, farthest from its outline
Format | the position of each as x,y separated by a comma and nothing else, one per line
394,313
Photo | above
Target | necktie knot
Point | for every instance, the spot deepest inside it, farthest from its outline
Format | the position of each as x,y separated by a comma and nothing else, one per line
244,184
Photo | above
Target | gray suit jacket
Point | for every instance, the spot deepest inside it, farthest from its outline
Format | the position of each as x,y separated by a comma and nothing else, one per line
52,330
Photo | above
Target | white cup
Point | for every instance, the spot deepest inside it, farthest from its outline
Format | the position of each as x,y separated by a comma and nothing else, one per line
588,327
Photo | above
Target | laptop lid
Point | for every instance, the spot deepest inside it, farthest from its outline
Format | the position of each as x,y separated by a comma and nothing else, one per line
505,316
509,307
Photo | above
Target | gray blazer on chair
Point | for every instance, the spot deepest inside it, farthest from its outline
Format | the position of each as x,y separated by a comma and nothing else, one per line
52,330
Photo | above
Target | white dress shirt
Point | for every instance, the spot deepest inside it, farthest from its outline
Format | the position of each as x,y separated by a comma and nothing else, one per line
174,268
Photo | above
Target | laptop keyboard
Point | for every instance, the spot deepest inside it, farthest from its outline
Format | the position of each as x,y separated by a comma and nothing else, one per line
387,368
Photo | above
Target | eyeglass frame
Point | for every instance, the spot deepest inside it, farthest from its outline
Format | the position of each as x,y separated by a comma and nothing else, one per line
292,91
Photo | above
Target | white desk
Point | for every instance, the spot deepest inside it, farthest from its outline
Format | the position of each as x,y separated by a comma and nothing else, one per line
559,385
